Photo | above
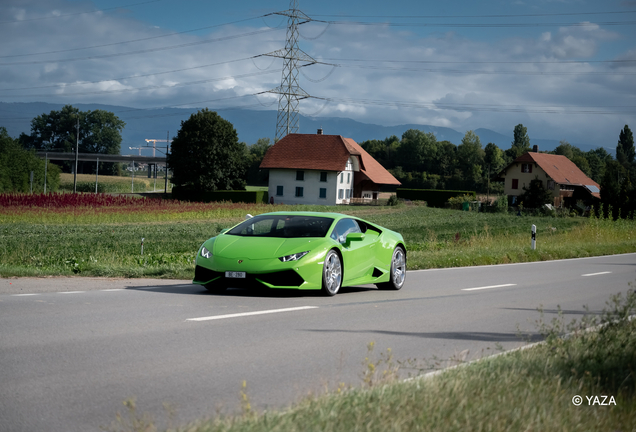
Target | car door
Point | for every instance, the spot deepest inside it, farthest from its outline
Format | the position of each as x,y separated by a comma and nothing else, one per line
357,254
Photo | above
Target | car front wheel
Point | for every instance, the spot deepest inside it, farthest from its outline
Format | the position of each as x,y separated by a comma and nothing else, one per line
398,271
331,274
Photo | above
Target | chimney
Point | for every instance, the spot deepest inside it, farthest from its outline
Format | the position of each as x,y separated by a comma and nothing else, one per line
320,131
535,148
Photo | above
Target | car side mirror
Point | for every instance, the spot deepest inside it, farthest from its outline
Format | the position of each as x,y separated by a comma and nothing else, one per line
354,237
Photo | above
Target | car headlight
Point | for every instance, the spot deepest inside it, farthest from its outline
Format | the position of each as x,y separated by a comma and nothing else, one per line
293,257
205,253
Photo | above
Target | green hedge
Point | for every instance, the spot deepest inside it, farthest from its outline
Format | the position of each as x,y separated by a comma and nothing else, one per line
232,196
433,197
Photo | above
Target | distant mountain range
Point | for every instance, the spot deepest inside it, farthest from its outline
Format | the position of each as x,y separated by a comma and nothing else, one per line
249,124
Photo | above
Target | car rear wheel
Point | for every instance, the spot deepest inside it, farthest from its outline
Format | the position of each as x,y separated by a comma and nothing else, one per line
398,271
331,273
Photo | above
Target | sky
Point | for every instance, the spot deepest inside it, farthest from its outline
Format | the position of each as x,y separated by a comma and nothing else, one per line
565,69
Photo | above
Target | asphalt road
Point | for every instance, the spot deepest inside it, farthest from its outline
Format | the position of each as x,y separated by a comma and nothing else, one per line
73,349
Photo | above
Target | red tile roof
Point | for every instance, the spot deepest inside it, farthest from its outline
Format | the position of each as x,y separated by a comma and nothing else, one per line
323,152
560,169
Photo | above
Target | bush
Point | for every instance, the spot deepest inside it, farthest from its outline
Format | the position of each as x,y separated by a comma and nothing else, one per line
393,200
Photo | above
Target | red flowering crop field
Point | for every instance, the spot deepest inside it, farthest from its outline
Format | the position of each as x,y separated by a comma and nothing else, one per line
103,208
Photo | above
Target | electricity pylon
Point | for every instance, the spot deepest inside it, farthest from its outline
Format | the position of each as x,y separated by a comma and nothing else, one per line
289,90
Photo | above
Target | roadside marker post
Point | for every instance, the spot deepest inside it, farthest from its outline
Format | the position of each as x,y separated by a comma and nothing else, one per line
534,237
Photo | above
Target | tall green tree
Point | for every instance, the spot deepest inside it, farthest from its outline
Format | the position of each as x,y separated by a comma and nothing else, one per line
470,158
207,155
625,151
520,143
615,188
99,132
493,158
417,151
256,153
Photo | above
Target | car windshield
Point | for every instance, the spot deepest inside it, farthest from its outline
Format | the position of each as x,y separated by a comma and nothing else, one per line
284,226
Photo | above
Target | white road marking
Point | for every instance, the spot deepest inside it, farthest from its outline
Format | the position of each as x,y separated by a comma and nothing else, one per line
22,295
236,315
488,287
70,292
596,274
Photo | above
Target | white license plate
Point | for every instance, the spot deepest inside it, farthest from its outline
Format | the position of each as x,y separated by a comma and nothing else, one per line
235,275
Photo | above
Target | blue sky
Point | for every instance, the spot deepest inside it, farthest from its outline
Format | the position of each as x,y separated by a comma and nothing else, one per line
566,69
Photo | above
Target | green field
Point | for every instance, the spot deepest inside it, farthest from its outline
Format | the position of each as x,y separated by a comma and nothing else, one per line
107,241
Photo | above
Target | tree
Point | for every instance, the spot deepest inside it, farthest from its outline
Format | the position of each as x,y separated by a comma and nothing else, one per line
207,155
615,187
625,151
256,153
520,143
597,159
470,158
99,132
493,158
536,195
417,151
16,165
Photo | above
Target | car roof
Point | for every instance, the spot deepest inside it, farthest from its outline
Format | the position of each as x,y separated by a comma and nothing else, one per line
309,213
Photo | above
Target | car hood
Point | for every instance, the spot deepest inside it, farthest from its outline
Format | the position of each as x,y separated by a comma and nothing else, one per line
255,248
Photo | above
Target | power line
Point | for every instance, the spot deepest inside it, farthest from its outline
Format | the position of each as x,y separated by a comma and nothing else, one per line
477,25
476,16
103,56
134,40
479,62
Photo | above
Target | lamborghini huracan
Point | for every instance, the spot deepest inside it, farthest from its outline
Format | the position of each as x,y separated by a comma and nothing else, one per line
302,250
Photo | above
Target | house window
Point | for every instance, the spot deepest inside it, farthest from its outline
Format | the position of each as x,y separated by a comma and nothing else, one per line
348,178
299,192
300,175
323,176
348,193
515,183
323,193
526,168
551,184
341,177
340,193
279,191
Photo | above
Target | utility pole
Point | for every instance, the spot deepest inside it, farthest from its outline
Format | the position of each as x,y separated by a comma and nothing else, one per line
76,157
165,190
289,90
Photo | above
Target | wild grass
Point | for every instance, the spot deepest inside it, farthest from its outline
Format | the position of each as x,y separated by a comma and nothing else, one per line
100,235
524,390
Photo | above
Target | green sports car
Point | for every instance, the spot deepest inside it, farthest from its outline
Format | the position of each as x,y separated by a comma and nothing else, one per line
302,250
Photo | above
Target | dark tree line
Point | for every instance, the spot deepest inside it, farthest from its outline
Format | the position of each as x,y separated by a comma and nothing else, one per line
418,160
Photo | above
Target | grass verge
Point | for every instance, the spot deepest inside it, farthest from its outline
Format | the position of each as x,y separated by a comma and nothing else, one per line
526,390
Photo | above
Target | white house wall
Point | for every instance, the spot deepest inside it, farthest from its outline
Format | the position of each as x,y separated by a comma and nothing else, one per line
311,187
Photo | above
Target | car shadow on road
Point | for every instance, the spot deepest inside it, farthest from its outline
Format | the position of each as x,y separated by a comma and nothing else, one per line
557,311
241,292
469,336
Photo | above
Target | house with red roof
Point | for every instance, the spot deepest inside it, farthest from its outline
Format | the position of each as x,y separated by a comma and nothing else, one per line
323,169
558,174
